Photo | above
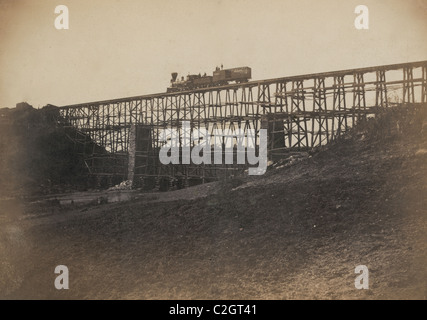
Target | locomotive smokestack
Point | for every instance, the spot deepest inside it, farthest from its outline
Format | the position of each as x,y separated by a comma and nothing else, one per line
174,75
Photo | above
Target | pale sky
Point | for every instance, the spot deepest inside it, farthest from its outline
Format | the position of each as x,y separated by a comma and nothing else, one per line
121,48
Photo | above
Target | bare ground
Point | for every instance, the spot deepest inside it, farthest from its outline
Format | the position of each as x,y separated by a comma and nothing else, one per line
297,232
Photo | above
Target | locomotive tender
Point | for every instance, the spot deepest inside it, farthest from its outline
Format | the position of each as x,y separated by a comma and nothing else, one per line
220,77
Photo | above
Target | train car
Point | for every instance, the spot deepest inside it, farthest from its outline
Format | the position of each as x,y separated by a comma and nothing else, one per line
219,77
242,74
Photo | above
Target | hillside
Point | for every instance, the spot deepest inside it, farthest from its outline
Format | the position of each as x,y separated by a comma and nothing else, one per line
37,155
298,232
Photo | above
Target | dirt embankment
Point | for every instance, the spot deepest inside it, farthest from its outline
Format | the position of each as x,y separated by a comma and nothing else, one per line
298,232
36,155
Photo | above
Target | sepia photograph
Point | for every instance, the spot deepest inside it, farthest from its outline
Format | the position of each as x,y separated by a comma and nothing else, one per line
212,150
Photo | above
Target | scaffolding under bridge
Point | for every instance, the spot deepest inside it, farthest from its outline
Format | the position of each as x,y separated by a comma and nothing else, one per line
120,139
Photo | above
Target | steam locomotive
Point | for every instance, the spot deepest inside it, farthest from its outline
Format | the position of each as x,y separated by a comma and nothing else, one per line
220,77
